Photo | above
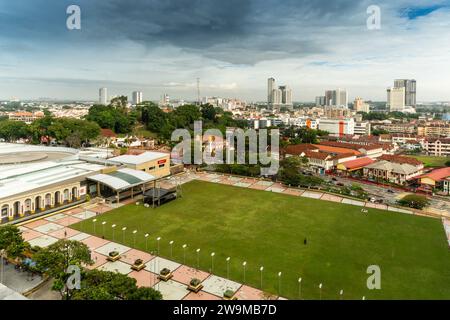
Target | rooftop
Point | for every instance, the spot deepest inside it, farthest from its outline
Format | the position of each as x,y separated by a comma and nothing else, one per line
123,178
438,174
139,159
358,163
16,179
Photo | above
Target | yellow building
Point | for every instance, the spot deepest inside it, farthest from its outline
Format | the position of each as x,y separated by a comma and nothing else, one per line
155,163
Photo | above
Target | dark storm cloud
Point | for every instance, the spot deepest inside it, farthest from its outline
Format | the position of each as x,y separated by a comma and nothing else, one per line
235,31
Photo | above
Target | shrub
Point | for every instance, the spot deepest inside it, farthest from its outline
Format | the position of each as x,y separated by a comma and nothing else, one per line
228,294
195,282
113,253
165,271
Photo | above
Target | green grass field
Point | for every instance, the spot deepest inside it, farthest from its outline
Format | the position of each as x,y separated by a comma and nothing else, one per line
429,161
268,229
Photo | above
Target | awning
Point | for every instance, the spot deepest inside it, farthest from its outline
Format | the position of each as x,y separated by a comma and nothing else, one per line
123,179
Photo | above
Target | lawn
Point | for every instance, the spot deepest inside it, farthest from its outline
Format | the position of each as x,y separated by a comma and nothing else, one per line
429,161
268,229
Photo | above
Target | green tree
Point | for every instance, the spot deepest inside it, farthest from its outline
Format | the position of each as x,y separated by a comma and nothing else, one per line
56,258
208,112
105,285
11,241
14,130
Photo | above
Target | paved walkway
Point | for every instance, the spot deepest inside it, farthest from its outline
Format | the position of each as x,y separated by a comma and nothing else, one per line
47,230
257,184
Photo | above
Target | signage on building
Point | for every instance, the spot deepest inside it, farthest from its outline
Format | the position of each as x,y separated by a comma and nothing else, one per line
82,191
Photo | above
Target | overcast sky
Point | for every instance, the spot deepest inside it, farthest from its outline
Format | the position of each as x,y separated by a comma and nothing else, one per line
233,46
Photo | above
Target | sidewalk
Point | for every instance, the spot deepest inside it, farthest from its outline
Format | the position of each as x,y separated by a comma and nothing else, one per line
47,230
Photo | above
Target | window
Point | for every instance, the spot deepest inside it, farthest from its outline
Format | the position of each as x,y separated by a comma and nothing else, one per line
151,168
162,165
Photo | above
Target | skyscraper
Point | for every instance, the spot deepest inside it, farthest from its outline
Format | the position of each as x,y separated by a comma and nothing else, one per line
103,96
137,97
338,98
410,90
396,99
270,88
278,97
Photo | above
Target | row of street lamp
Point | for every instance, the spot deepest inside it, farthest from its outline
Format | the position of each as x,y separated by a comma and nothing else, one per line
184,246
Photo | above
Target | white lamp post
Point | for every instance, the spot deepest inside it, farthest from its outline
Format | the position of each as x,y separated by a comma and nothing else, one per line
228,267
184,253
341,294
320,291
94,221
299,288
171,248
364,297
198,257
123,234
113,228
261,270
158,239
212,261
279,283
103,227
134,238
146,241
243,265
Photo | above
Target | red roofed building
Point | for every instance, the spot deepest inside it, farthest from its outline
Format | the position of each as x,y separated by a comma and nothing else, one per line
354,165
436,179
107,133
298,149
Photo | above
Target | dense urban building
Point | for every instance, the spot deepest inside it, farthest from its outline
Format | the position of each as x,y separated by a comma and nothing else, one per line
278,97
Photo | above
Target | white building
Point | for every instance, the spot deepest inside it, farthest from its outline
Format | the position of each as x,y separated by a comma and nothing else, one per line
103,96
338,127
137,97
396,99
362,128
361,106
278,97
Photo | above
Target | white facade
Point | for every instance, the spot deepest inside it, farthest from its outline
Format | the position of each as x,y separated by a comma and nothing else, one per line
362,128
338,127
396,99
103,96
137,97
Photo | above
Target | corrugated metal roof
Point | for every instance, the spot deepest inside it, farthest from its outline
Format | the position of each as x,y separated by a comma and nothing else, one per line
123,178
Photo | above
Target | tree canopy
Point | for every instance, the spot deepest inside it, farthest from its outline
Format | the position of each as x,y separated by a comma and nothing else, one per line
11,241
56,259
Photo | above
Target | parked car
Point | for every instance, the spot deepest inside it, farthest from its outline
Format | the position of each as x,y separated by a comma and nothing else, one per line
334,179
340,184
390,191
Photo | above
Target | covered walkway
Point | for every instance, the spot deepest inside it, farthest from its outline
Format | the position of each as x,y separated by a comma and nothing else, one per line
121,184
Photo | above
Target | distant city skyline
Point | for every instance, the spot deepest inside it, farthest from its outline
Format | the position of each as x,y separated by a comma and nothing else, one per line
312,46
